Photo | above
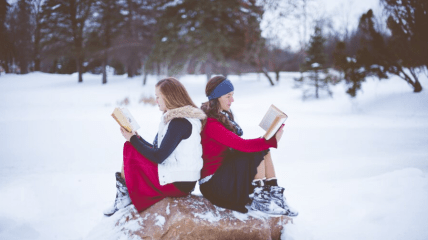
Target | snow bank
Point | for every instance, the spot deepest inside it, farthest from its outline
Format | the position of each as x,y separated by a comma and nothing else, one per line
353,168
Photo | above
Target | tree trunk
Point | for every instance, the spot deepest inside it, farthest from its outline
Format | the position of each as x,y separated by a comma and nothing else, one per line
263,69
5,64
37,9
37,64
417,87
107,37
23,65
104,73
104,67
53,68
208,76
208,67
131,63
316,84
77,40
79,69
80,76
145,78
130,70
265,72
224,71
37,48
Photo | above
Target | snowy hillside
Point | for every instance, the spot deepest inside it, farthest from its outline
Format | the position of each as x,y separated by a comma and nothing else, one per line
353,168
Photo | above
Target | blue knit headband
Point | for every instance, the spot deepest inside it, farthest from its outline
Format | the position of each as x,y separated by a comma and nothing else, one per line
223,88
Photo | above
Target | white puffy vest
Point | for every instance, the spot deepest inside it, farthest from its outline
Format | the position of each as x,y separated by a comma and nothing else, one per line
184,164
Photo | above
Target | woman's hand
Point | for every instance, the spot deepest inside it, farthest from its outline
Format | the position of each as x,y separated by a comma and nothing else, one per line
279,133
127,135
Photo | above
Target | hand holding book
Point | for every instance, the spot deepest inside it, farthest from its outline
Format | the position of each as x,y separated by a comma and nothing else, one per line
278,134
127,135
128,125
125,119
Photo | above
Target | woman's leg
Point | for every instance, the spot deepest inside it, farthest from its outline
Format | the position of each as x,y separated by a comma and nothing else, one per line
123,172
261,196
276,192
261,171
269,169
265,169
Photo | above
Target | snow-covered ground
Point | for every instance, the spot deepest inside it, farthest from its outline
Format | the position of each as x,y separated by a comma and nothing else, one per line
354,168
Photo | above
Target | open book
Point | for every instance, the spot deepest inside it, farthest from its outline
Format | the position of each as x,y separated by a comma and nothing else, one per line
272,121
125,119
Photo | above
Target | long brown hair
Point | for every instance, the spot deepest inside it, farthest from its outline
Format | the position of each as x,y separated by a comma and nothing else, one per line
174,93
212,108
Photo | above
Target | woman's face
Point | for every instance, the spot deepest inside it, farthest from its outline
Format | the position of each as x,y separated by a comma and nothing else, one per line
160,100
226,101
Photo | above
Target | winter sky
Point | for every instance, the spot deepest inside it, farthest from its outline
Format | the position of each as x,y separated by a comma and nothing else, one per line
342,14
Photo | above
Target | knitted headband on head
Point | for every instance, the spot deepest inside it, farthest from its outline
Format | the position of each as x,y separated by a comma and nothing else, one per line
223,88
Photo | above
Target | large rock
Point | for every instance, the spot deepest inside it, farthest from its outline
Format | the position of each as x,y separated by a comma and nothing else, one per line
192,217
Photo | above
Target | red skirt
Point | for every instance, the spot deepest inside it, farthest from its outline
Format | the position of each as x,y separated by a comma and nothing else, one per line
142,180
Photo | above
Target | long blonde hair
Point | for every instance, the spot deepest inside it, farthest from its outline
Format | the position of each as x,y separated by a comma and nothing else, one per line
174,93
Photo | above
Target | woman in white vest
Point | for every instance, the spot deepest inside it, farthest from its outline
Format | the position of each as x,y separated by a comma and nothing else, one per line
171,165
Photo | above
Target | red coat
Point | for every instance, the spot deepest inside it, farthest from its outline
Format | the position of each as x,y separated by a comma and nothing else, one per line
216,139
142,181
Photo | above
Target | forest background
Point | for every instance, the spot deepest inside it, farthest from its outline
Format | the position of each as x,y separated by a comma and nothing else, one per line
174,38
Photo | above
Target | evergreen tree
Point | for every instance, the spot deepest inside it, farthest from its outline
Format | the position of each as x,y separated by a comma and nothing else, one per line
381,55
317,78
36,19
349,67
211,32
21,29
315,55
408,21
106,27
339,56
140,26
357,58
63,29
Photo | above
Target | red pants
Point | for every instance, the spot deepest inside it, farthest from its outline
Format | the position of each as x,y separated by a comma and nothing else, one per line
141,176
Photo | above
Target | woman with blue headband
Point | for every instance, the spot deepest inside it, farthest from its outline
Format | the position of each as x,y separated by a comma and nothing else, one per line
237,172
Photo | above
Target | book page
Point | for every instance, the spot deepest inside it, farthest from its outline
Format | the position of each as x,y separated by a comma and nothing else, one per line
131,121
274,127
267,120
272,121
270,116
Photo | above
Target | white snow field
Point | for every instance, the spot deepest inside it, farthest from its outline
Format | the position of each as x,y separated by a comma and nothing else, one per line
353,168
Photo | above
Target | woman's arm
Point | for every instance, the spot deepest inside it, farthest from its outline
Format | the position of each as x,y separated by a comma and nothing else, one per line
141,139
221,134
178,129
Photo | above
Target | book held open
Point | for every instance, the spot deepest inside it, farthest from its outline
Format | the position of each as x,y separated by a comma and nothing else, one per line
125,119
272,121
